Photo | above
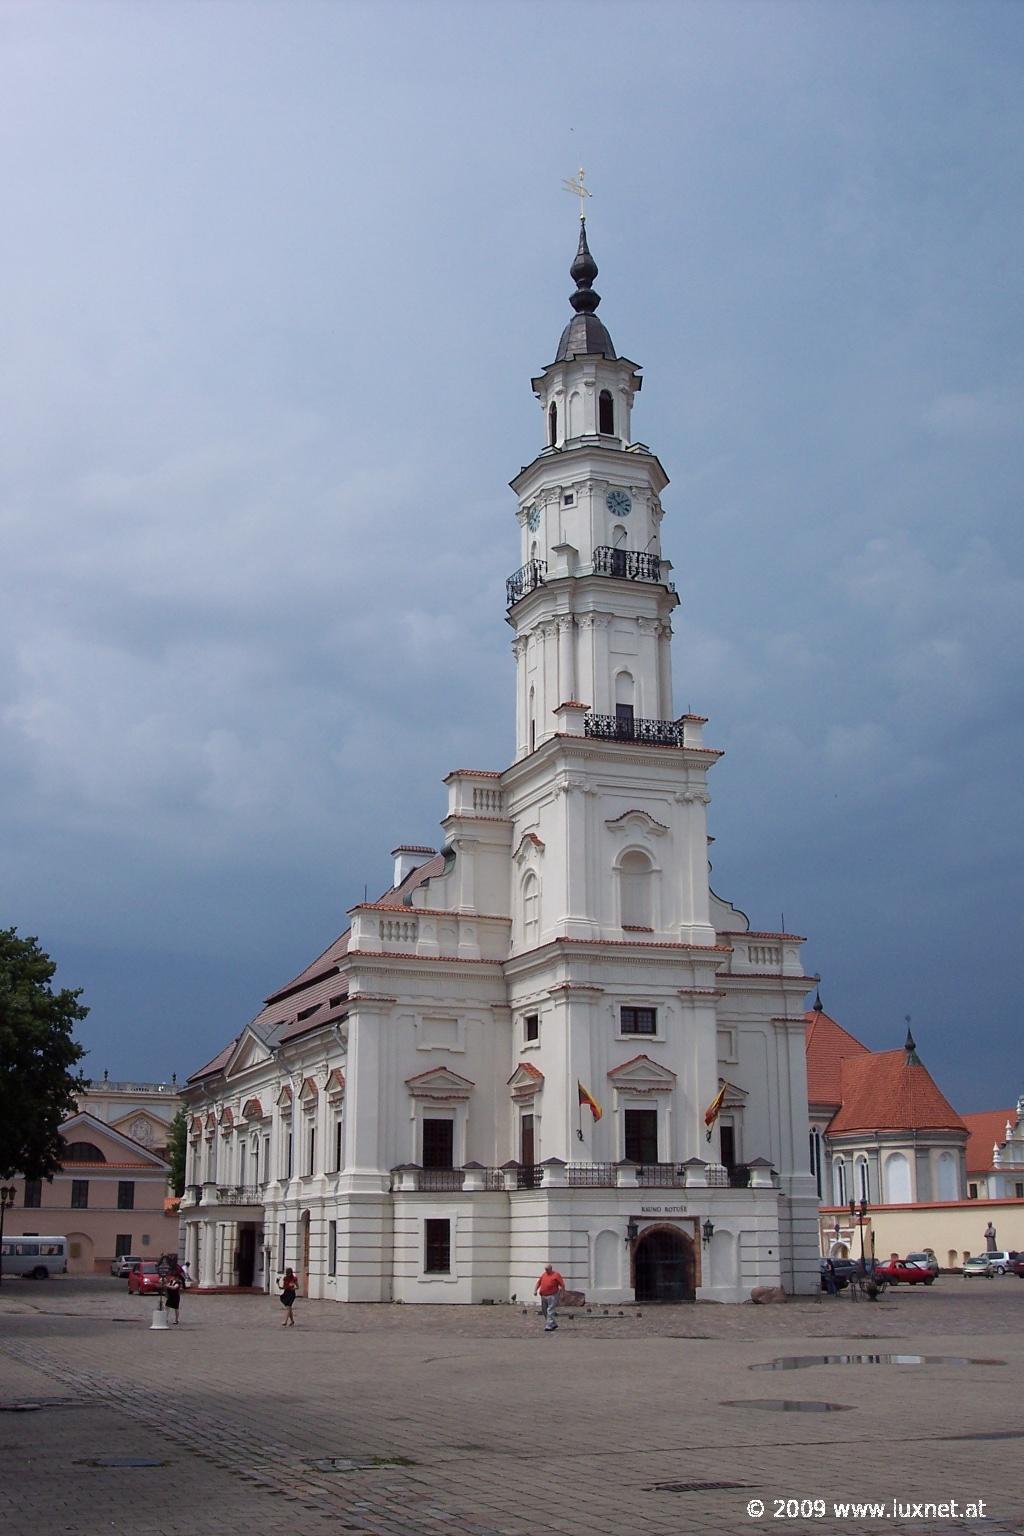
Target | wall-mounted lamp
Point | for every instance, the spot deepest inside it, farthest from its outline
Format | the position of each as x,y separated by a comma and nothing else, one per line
708,1231
632,1230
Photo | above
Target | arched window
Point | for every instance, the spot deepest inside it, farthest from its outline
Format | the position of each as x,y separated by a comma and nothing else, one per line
863,1192
552,424
574,415
839,1181
531,910
83,1152
947,1183
897,1180
605,414
618,536
635,876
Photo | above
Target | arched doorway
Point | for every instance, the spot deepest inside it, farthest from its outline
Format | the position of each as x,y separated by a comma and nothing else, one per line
663,1266
304,1261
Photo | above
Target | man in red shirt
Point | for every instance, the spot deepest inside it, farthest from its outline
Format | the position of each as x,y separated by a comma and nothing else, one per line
550,1288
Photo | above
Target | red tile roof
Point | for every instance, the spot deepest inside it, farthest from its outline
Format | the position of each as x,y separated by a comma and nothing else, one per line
984,1130
828,1044
884,1091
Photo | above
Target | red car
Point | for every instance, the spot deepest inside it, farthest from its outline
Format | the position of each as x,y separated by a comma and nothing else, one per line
144,1277
899,1272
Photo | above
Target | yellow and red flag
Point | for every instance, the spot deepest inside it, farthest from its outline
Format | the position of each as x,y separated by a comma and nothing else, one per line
589,1100
714,1109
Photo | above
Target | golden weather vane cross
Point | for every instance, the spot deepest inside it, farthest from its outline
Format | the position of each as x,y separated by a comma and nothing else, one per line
578,190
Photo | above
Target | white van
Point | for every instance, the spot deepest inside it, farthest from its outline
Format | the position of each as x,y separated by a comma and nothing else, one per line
37,1257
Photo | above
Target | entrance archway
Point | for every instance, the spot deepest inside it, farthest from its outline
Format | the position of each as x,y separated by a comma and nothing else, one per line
663,1266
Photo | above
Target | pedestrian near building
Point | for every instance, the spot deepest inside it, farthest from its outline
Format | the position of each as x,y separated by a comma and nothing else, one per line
550,1288
830,1278
172,1296
288,1284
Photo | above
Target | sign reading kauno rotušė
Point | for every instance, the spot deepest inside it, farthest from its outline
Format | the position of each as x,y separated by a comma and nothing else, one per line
663,1210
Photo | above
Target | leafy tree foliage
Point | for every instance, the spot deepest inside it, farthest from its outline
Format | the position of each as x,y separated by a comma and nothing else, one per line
38,1053
176,1138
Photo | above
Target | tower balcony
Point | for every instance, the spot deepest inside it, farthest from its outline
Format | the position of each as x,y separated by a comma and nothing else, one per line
626,564
661,733
529,576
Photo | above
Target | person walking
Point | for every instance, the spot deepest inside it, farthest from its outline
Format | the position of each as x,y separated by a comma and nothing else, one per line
550,1288
172,1296
288,1285
830,1278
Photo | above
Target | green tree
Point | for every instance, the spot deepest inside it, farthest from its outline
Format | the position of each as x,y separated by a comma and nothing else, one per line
176,1138
38,1054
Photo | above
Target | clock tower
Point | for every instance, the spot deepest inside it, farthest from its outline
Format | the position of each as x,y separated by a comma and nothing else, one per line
591,603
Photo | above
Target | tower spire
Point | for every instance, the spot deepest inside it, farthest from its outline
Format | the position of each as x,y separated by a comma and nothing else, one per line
585,335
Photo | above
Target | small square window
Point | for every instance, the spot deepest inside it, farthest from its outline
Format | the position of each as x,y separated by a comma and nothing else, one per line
122,1244
531,1026
972,1191
437,1247
638,1021
569,499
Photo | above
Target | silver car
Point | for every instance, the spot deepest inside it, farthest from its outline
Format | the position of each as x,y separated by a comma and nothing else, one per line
977,1266
121,1268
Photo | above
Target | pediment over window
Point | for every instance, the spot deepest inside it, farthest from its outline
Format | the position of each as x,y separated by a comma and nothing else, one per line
439,1083
335,1088
227,1120
249,1052
252,1109
210,1123
525,1081
637,821
529,850
308,1093
642,1075
284,1098
196,1125
735,1098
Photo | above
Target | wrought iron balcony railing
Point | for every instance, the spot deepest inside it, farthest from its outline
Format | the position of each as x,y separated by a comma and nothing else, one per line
626,564
239,1194
531,575
662,733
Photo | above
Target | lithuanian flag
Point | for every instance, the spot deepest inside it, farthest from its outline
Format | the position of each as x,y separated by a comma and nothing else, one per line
713,1110
589,1100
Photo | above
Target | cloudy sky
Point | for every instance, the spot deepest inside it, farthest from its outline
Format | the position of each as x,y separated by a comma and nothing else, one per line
274,281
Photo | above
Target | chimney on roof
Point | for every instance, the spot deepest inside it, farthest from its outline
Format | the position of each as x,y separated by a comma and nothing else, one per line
407,857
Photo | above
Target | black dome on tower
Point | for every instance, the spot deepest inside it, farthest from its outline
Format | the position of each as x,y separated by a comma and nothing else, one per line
585,334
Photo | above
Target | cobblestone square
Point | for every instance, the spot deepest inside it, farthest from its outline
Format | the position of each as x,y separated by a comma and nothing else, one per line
470,1421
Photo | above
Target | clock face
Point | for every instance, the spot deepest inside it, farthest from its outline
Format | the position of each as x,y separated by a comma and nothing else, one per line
533,518
619,504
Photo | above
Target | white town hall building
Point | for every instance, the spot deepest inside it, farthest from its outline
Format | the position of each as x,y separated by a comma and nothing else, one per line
403,1120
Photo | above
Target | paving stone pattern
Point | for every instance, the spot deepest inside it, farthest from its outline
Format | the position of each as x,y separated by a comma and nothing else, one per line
473,1422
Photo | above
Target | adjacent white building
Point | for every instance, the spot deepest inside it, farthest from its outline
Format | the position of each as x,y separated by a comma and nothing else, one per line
403,1120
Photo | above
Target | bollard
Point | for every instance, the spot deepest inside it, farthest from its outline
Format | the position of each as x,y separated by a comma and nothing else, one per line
159,1319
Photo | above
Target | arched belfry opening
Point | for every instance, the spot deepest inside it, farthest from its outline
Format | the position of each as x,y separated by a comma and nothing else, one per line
552,425
606,414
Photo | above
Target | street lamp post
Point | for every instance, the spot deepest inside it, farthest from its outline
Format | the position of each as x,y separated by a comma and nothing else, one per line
857,1214
7,1193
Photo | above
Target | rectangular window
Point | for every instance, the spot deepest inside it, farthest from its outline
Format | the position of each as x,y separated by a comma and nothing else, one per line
288,1165
641,1126
526,1142
727,1142
1019,1191
624,722
332,1247
437,1247
531,1026
126,1195
339,1143
281,1245
122,1244
972,1191
33,1194
638,1021
438,1143
79,1194
311,1158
